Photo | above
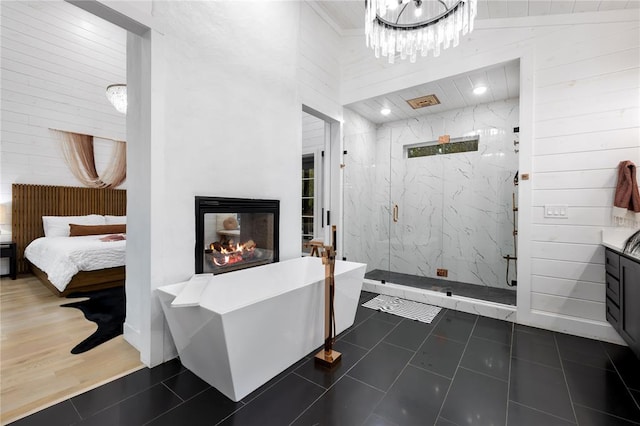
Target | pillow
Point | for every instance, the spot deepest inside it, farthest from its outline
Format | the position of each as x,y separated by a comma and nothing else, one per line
115,220
80,230
58,226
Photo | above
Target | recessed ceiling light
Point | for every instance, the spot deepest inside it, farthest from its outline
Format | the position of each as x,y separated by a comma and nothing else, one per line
385,111
480,90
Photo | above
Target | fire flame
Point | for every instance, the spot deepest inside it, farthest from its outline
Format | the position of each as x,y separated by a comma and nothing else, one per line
230,254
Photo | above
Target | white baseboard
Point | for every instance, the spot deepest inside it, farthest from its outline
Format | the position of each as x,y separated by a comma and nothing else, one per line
132,336
560,323
590,329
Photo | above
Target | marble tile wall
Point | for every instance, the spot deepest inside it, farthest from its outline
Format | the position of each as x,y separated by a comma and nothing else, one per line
366,226
455,210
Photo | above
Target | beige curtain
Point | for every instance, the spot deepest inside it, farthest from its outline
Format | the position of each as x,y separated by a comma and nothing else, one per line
79,154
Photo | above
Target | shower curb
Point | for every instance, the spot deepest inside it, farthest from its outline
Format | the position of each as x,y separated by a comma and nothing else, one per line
457,303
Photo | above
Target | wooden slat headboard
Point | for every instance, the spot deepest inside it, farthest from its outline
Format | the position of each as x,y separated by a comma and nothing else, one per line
31,202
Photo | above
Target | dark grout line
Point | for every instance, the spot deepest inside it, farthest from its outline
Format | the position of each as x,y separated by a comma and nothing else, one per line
312,382
629,389
482,374
536,363
172,391
513,332
103,409
430,371
334,383
608,414
369,385
233,413
492,341
541,411
74,407
466,345
566,382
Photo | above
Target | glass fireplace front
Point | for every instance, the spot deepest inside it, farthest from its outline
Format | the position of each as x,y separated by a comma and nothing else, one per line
235,233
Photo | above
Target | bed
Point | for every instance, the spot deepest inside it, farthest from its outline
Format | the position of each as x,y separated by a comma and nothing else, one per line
33,202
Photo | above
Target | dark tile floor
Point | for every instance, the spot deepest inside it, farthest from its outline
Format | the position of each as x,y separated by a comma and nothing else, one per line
460,370
505,296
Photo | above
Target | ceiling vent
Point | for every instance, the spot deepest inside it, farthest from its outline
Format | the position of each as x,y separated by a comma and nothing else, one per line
423,101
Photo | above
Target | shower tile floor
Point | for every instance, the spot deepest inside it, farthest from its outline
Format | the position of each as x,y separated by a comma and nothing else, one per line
461,369
505,296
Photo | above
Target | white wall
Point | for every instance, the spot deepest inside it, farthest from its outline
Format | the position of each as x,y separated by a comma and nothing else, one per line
366,223
313,133
319,62
57,61
231,127
319,85
579,118
226,111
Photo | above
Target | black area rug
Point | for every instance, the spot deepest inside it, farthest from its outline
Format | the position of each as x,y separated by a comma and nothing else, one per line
104,307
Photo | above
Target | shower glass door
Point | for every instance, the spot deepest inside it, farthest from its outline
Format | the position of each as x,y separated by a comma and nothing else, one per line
451,201
429,212
416,203
366,191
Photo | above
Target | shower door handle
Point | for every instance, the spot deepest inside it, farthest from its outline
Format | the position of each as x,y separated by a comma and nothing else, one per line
395,213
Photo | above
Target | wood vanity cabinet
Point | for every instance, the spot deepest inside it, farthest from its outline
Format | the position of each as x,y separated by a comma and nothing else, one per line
623,297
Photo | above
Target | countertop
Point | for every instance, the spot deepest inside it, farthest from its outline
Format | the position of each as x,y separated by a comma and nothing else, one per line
615,239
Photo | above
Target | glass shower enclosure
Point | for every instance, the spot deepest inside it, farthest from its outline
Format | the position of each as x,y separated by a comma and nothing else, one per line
430,202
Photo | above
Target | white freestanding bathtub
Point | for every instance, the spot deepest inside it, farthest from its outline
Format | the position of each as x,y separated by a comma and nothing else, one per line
243,328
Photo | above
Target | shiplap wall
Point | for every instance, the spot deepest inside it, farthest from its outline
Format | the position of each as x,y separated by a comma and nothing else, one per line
318,63
587,109
313,133
586,119
56,63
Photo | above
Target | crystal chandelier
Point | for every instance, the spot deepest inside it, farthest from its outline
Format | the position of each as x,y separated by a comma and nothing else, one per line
117,95
411,26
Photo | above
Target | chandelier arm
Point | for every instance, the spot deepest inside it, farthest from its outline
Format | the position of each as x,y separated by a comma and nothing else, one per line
386,35
444,15
401,12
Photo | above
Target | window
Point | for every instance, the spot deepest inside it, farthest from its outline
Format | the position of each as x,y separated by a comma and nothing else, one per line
308,200
434,148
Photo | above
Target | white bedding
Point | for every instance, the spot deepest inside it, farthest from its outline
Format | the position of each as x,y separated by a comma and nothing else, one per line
63,257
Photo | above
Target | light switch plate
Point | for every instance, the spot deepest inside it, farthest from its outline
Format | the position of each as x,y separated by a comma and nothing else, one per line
556,211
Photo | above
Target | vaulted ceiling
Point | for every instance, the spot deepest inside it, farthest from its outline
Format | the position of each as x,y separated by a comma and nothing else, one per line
349,14
502,80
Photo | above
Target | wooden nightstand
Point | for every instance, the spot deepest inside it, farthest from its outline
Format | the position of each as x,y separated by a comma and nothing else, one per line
8,249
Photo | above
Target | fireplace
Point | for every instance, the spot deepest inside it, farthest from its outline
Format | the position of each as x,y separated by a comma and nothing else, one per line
235,233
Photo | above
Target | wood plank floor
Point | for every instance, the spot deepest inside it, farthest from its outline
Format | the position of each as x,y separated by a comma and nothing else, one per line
37,368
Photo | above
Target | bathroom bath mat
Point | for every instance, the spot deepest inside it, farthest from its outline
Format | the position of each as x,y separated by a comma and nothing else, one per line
403,308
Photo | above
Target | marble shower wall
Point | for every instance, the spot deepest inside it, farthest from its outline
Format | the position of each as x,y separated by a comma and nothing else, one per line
366,193
455,210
